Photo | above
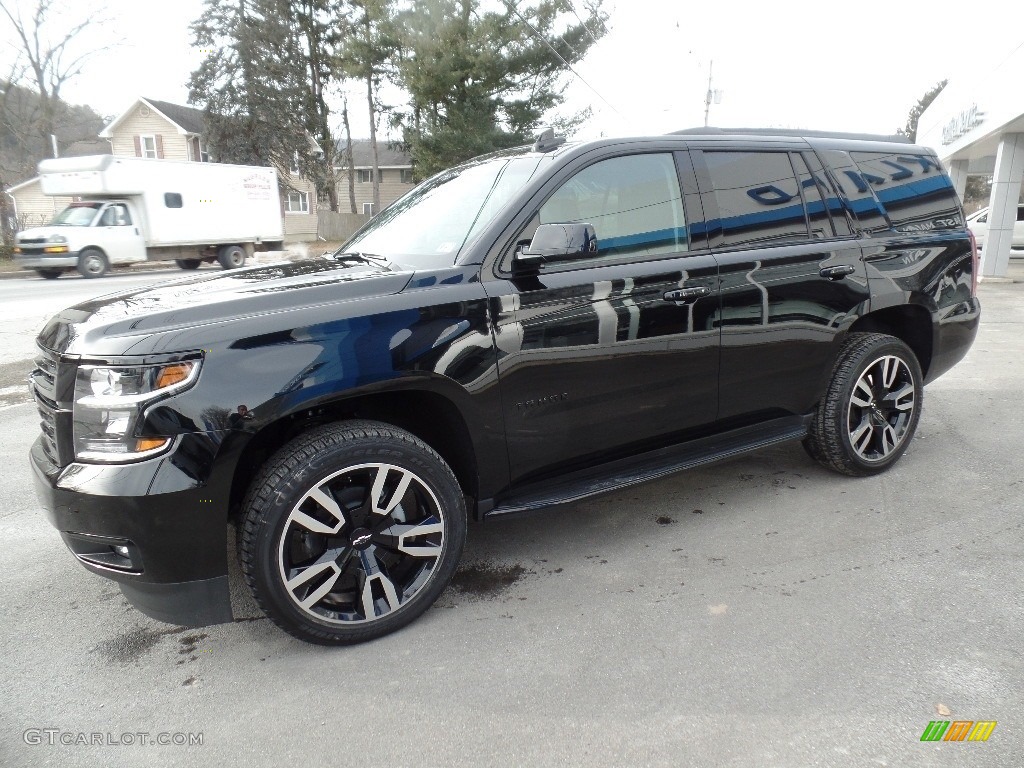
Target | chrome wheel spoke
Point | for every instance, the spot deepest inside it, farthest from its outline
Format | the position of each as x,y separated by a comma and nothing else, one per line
890,367
398,537
902,399
861,437
861,396
373,574
889,439
329,505
311,574
377,503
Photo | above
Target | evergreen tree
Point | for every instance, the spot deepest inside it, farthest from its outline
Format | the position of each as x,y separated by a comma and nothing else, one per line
910,129
482,80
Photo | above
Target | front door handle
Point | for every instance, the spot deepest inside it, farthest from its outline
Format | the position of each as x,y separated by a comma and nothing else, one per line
837,273
688,294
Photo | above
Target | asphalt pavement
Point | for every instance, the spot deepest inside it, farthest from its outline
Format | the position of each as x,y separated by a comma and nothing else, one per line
759,612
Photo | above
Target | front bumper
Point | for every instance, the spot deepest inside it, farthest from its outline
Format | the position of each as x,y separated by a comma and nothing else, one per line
46,261
156,527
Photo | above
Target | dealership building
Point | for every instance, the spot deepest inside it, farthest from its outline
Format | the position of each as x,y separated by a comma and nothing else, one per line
976,125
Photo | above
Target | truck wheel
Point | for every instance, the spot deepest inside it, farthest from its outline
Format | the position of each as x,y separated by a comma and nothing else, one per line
871,407
231,256
351,531
188,263
49,274
92,263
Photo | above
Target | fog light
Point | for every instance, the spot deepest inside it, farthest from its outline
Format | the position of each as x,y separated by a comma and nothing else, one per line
122,551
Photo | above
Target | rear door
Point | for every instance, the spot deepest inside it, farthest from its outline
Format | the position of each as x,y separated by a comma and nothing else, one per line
603,356
792,277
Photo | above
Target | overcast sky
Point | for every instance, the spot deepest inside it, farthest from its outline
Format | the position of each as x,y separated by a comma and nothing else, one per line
793,64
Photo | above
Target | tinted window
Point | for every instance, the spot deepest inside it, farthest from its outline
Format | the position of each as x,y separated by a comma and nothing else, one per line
172,199
856,190
817,216
633,202
912,188
758,198
833,202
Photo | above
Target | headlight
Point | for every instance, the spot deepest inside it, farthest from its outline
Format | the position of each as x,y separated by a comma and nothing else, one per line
109,401
56,239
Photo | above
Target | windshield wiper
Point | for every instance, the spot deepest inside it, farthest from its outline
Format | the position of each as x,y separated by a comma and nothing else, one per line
366,258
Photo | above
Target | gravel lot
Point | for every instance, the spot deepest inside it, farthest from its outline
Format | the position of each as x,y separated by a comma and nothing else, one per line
761,612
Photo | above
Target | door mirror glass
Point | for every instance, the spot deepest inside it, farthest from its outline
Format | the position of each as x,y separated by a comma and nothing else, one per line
559,242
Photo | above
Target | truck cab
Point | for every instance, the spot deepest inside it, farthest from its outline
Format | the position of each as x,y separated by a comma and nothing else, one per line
89,235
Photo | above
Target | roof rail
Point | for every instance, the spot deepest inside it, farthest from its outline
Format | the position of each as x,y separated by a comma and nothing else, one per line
796,132
547,141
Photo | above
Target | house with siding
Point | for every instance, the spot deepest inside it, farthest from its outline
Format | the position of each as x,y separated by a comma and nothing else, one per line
159,130
394,166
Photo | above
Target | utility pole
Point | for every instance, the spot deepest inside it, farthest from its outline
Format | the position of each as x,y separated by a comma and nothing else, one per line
709,95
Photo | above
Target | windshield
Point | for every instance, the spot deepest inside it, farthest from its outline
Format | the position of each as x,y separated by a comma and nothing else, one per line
430,226
76,215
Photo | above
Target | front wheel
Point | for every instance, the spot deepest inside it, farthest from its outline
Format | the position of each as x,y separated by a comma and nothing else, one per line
351,531
871,408
92,263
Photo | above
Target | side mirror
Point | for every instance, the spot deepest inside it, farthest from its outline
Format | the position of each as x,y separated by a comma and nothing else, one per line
557,242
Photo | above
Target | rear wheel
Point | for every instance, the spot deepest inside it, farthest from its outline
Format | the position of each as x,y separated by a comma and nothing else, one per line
231,256
351,531
49,274
188,263
870,411
92,263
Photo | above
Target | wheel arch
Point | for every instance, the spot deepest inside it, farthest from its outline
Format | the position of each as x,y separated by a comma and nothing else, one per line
910,323
430,416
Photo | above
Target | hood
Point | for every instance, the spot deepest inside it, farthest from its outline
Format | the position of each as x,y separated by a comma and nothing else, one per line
113,324
38,233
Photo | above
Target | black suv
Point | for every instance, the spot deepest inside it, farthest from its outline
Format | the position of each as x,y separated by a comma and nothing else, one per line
526,330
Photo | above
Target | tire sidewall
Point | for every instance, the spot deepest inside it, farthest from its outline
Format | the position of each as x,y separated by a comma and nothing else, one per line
88,255
266,575
864,359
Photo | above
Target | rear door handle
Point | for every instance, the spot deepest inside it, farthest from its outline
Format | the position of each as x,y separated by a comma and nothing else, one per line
688,294
837,273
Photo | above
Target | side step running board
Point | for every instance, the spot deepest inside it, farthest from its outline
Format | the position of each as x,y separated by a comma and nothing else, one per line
614,476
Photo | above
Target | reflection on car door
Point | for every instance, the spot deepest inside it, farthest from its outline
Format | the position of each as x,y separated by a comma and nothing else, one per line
598,356
792,278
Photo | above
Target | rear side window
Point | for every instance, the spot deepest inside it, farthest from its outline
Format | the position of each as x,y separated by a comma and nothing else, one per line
857,191
916,194
758,199
817,216
833,201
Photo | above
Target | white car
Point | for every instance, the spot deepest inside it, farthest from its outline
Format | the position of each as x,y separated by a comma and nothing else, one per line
977,222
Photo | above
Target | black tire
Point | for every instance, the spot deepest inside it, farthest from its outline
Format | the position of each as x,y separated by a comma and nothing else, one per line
871,408
318,507
231,256
188,263
49,274
92,263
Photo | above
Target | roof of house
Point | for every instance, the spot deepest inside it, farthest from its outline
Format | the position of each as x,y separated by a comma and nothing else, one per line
188,119
191,119
387,156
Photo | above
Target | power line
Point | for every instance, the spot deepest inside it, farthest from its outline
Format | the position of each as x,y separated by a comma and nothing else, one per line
584,24
568,66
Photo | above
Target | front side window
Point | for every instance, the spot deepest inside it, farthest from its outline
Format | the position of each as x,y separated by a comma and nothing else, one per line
758,199
633,203
116,216
297,202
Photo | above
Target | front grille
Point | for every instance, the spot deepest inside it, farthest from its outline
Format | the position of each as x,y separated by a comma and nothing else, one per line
55,422
32,241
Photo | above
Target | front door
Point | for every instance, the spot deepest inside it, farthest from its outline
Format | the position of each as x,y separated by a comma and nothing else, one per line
616,351
119,236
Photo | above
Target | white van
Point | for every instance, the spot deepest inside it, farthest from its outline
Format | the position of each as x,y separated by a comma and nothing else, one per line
131,209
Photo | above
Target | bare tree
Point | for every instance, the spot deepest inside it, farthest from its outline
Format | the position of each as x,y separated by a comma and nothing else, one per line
46,55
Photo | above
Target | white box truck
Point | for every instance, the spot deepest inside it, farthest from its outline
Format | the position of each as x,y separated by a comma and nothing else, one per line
129,209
